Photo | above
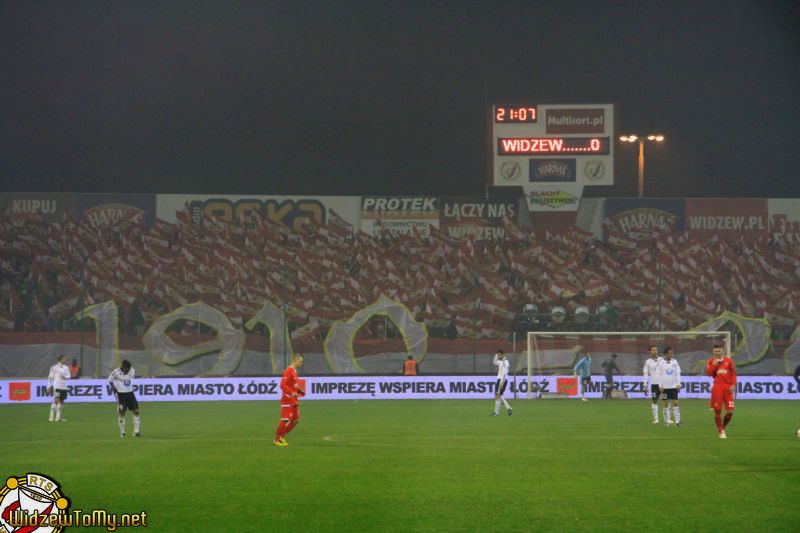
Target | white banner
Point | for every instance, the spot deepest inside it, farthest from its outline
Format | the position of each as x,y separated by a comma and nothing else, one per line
372,388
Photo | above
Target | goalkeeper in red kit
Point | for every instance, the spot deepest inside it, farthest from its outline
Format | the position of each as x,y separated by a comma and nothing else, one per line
723,371
290,410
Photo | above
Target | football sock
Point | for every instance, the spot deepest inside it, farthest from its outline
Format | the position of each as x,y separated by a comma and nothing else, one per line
496,406
52,411
58,412
718,420
728,416
137,423
122,425
666,414
676,413
505,403
654,408
281,431
290,426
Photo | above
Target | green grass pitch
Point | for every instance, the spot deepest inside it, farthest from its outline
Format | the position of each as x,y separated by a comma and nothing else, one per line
555,465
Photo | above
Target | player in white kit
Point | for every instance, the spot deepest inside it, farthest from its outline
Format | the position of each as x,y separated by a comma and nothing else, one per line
502,365
652,370
122,381
670,372
57,386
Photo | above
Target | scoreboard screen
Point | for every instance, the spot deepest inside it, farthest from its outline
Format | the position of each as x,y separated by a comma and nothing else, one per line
541,144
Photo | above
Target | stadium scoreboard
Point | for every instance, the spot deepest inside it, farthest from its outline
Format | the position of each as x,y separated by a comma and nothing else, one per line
552,144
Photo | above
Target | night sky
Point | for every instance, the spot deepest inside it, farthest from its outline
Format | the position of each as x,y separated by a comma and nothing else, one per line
356,98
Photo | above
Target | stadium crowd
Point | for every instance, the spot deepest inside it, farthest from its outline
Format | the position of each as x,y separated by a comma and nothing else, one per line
458,287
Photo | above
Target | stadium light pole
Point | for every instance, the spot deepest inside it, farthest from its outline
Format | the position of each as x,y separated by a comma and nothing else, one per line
475,336
284,308
660,292
634,138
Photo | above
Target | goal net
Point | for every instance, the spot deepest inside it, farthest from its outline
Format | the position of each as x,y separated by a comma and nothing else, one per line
556,353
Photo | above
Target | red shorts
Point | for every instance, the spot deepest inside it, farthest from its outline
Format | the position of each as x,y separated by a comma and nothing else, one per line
721,397
290,412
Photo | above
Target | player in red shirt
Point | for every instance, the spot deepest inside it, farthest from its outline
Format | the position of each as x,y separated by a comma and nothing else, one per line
290,410
723,371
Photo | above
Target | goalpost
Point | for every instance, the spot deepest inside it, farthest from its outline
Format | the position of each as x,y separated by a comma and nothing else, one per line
556,352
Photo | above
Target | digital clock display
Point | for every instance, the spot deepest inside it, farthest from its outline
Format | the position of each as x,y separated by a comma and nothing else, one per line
515,114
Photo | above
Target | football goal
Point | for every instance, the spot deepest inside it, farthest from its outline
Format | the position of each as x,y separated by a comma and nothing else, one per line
556,352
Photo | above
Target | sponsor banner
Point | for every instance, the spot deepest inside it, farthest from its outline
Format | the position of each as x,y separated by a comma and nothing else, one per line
49,206
399,215
552,170
380,388
112,210
728,218
553,198
642,219
589,171
699,387
147,389
575,120
568,386
291,211
784,216
19,391
478,217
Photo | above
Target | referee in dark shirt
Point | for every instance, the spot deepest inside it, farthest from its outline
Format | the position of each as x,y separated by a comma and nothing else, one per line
610,365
